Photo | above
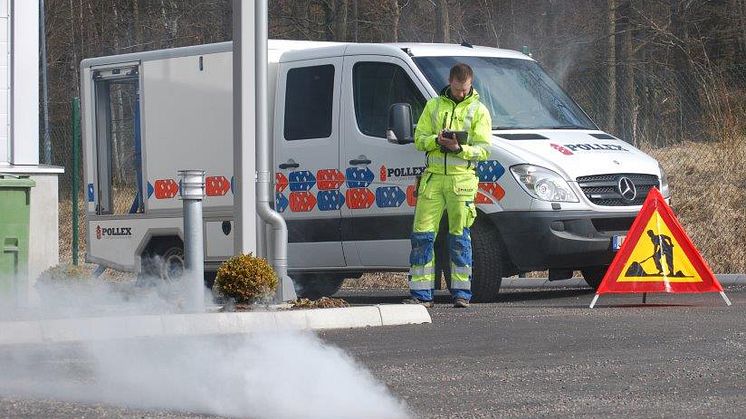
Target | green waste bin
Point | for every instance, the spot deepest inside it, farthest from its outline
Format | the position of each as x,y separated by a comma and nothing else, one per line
15,199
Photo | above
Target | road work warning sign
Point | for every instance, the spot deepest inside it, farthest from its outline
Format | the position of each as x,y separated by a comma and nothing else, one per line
658,256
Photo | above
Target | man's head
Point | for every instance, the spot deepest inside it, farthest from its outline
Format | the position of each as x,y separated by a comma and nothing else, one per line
460,80
651,234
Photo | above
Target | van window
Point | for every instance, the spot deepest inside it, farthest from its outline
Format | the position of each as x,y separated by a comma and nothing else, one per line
376,87
309,96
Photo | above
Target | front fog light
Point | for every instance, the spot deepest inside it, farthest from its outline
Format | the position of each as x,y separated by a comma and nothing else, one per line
543,184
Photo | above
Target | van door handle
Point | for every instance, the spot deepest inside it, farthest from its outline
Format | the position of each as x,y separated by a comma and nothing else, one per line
361,160
289,165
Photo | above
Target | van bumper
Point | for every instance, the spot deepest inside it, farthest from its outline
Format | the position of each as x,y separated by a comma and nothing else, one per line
564,240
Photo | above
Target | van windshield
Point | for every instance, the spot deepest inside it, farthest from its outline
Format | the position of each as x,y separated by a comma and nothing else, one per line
518,93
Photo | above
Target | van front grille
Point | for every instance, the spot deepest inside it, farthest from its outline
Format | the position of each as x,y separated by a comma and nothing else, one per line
607,190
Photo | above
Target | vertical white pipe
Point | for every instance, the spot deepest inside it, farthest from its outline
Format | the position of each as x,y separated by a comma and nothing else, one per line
192,193
278,254
244,168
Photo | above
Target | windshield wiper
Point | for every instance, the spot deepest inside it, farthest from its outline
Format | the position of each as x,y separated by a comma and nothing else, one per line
568,126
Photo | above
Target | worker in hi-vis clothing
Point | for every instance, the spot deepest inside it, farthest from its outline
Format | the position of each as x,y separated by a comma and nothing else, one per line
449,183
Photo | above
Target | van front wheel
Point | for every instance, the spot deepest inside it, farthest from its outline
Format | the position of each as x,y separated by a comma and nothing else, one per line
487,272
594,275
315,286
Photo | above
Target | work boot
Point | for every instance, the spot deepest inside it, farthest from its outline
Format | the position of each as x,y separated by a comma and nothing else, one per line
461,303
412,300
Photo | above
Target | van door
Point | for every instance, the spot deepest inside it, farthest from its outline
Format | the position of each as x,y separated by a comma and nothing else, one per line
308,182
379,196
119,186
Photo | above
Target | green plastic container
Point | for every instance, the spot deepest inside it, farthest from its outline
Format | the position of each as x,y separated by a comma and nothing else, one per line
15,198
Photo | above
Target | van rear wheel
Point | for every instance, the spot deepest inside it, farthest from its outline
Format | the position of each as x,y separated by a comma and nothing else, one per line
315,286
487,253
163,261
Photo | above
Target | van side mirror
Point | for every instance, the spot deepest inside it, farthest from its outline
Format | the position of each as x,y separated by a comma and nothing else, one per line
400,130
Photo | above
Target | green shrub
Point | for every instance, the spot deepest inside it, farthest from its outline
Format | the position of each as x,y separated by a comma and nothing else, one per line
245,279
63,273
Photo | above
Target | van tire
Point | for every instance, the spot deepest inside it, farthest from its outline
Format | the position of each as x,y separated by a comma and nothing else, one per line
315,286
487,254
594,275
162,261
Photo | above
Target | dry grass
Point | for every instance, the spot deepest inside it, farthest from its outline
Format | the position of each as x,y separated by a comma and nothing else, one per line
708,187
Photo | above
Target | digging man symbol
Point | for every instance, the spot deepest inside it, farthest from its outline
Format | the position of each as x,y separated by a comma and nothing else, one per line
662,246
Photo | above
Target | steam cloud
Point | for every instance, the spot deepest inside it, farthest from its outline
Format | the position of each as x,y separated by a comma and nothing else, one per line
267,374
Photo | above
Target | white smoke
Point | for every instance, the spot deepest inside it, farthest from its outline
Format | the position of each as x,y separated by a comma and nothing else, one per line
266,374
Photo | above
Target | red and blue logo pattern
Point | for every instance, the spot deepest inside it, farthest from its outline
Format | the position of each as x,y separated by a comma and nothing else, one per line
489,172
358,195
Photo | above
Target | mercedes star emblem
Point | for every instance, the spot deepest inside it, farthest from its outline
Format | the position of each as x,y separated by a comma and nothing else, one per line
627,189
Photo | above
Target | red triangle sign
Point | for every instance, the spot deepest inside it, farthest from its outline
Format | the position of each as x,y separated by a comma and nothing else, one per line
658,256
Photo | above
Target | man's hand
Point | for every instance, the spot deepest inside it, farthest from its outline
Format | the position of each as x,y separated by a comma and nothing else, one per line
449,143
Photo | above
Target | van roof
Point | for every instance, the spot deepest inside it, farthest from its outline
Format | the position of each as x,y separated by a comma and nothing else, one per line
290,50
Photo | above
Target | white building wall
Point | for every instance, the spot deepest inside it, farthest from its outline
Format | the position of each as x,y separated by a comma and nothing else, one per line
4,81
24,82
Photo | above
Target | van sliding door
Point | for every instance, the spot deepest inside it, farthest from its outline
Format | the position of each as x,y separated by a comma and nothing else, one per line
117,141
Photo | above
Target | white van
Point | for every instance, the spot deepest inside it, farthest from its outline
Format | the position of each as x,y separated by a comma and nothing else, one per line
557,193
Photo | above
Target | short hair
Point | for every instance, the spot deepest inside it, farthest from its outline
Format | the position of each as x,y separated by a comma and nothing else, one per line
461,72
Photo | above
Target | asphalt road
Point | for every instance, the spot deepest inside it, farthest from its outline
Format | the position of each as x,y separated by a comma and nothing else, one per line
536,353
545,353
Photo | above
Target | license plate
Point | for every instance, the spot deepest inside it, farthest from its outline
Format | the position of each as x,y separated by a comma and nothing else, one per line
616,242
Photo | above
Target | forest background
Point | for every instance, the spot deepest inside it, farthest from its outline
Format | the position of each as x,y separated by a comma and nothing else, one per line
668,76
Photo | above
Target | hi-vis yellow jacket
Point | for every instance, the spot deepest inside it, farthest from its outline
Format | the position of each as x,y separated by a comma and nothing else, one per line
443,113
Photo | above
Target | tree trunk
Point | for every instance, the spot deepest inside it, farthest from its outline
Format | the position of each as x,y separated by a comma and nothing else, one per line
393,33
137,25
626,97
300,19
442,22
356,20
341,20
611,65
686,85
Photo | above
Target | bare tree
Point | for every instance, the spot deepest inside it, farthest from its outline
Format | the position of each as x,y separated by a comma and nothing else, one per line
611,64
442,22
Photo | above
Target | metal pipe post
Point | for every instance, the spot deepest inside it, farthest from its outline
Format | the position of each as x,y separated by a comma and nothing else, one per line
278,255
75,173
192,193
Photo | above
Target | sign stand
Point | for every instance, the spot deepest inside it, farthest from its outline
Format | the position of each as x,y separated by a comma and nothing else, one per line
658,256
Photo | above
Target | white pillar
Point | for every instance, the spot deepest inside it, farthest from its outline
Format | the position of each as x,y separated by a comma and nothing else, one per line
4,81
24,82
244,144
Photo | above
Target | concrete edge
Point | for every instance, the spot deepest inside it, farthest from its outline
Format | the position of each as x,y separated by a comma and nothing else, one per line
207,324
725,279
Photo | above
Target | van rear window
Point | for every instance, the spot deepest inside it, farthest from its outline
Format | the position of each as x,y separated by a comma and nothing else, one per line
309,96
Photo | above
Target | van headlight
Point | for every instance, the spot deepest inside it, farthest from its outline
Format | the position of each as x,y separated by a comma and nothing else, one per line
665,191
543,184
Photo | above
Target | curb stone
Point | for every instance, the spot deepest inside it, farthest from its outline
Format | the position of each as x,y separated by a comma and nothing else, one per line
206,324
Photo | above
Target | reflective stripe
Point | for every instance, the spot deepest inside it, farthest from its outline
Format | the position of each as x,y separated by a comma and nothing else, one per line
423,285
470,115
455,161
435,115
460,285
461,270
421,270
